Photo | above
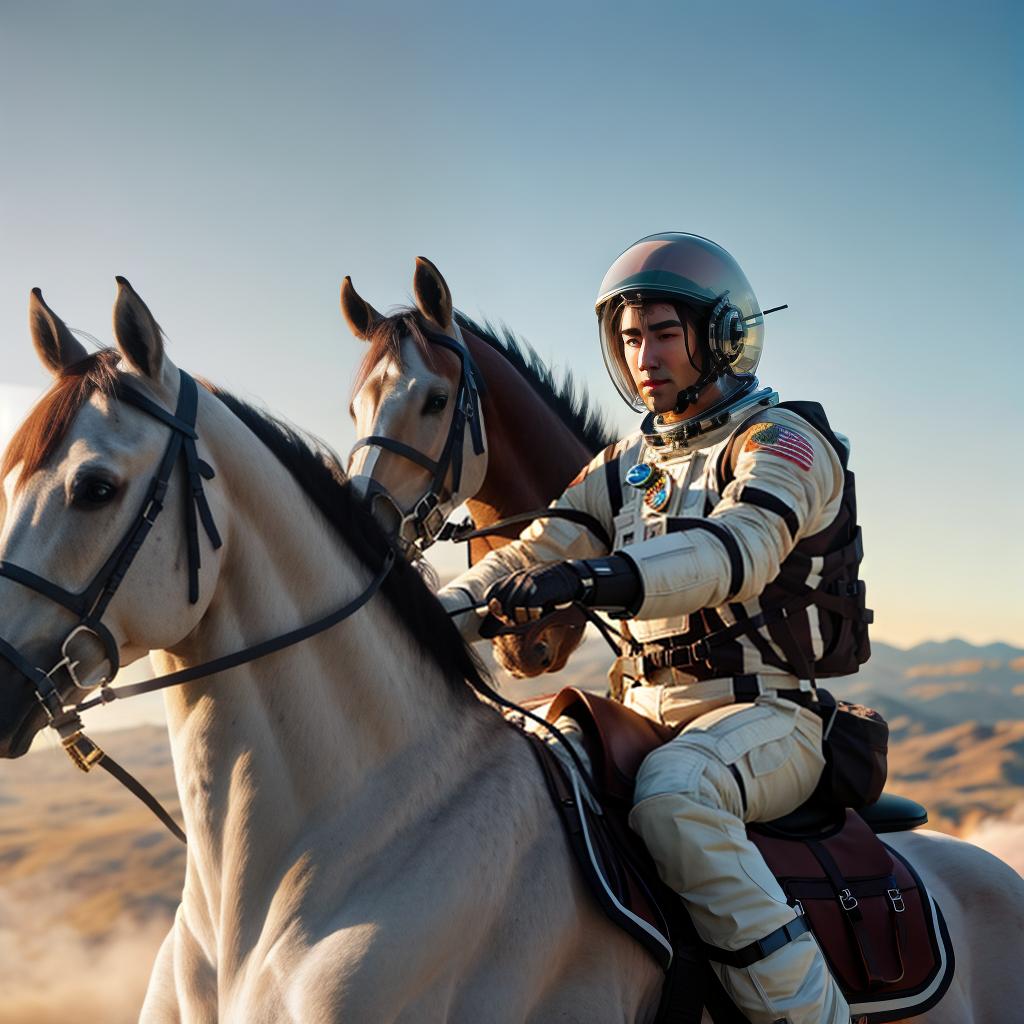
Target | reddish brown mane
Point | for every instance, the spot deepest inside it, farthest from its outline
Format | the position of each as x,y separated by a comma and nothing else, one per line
385,342
48,422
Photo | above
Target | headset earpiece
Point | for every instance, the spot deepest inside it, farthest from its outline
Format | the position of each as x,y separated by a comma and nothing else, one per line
726,331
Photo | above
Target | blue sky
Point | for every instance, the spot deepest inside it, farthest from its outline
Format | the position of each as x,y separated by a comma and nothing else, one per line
862,162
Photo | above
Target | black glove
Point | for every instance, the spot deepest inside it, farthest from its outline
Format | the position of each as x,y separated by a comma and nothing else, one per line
611,583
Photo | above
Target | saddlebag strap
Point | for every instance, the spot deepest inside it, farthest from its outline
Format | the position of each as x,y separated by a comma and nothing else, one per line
855,919
756,951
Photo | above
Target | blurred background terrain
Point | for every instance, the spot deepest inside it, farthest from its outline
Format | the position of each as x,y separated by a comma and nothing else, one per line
89,879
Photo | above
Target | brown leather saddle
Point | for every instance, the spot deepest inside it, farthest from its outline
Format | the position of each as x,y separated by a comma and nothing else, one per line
882,934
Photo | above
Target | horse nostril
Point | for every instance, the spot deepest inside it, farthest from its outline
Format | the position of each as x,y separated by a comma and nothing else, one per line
541,650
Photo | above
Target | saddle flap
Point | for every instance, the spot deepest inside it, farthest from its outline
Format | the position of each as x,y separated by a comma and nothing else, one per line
613,861
617,738
880,931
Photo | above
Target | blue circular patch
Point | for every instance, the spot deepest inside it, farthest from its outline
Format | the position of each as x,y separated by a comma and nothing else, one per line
639,475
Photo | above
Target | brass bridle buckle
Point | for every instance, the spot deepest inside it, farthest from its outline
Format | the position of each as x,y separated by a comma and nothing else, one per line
66,721
68,724
82,751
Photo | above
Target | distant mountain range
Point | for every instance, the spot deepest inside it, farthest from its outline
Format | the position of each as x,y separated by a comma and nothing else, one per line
956,715
937,684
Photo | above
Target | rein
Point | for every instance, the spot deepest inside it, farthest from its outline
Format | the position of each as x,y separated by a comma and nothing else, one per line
62,711
424,523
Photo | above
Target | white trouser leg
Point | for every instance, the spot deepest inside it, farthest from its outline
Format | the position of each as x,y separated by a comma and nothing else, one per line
690,812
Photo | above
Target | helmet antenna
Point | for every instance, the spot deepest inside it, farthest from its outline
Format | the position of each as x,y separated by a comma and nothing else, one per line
765,312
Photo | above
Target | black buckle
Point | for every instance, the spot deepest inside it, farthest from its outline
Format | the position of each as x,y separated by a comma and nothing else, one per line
700,650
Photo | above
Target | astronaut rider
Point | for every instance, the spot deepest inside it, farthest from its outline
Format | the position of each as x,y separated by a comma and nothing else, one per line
723,506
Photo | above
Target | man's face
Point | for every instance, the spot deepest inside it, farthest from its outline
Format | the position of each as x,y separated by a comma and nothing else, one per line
654,343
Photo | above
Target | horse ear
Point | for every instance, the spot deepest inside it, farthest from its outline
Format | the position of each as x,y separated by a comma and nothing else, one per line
433,298
138,335
359,314
56,345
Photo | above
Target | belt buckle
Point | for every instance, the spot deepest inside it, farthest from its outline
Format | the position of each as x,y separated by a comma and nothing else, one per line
896,899
848,901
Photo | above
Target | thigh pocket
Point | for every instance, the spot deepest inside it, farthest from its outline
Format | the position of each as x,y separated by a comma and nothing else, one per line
736,730
767,757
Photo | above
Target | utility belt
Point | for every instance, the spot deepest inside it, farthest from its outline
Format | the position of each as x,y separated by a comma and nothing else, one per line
674,652
625,678
671,653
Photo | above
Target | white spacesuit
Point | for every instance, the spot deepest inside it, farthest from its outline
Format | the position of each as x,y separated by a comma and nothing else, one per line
734,569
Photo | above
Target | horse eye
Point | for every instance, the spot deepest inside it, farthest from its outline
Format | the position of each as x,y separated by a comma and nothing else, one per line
92,491
435,403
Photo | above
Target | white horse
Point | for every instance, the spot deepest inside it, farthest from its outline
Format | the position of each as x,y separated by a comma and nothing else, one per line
367,841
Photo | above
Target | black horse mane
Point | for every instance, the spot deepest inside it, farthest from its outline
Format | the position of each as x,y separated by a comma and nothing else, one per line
569,402
318,471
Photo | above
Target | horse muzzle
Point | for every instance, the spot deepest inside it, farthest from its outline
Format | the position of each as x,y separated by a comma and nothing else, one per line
21,715
410,532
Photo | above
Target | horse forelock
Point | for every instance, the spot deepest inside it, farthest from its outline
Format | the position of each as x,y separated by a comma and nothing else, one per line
46,426
385,343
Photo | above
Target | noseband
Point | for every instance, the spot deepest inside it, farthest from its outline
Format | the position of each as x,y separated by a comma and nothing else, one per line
62,708
420,527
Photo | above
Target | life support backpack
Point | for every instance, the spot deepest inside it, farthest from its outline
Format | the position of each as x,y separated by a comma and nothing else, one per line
782,625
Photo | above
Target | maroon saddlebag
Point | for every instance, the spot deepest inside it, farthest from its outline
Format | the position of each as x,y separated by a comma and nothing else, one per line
882,934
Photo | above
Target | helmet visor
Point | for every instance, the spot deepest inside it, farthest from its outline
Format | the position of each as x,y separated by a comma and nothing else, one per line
678,268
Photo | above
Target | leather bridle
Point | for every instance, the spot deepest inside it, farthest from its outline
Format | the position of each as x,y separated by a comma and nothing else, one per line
422,524
63,704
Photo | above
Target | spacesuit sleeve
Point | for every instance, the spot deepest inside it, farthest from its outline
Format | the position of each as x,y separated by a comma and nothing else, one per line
543,541
787,485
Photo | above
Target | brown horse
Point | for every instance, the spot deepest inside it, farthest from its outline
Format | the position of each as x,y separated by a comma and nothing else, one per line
428,373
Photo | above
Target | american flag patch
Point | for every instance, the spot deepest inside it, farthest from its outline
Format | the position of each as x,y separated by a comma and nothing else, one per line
779,440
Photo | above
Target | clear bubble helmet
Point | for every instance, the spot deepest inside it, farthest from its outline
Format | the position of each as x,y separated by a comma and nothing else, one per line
679,267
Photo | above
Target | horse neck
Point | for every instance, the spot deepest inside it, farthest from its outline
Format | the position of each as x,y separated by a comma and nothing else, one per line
311,745
532,454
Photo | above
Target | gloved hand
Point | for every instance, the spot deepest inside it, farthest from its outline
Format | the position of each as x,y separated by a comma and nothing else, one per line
529,594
